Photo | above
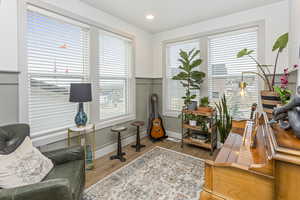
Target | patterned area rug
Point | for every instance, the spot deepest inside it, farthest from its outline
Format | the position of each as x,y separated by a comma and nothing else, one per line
159,174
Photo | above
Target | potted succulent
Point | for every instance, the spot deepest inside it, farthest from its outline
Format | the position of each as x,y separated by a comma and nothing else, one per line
191,119
189,77
266,75
204,105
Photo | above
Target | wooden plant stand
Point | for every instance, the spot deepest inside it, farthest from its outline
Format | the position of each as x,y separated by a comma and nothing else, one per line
210,118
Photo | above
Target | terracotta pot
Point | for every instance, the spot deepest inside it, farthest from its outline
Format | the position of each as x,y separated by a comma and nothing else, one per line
269,100
205,109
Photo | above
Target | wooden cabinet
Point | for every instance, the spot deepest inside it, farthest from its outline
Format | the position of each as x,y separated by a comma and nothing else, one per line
270,170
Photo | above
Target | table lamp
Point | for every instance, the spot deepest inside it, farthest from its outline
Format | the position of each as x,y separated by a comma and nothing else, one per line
80,93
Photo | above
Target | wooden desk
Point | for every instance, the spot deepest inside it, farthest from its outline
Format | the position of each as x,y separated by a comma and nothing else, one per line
269,171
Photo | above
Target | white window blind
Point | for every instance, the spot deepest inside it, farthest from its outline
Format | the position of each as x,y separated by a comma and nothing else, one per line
173,89
114,75
57,55
225,70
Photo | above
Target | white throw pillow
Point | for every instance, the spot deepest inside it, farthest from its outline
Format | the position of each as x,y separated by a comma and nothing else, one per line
26,165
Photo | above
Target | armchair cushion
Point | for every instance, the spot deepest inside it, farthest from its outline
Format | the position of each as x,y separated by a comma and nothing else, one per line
55,189
12,136
26,165
61,156
72,171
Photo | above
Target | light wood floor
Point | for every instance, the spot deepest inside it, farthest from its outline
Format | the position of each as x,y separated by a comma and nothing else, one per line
104,166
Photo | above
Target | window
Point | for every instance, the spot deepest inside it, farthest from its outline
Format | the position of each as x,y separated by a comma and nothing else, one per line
115,76
173,89
57,55
225,70
57,50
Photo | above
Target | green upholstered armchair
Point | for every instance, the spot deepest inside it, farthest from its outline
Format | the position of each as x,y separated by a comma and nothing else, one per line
65,181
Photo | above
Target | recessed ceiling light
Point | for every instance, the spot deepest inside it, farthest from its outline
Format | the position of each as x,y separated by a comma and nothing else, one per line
150,17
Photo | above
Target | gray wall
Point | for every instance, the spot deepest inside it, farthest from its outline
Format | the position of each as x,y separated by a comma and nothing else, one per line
8,97
144,87
9,108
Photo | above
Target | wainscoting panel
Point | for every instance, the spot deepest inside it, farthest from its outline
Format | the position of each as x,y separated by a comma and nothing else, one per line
8,97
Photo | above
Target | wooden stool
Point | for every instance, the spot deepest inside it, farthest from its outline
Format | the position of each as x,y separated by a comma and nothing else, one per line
120,154
138,145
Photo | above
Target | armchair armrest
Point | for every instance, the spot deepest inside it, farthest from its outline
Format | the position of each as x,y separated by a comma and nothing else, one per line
61,156
55,189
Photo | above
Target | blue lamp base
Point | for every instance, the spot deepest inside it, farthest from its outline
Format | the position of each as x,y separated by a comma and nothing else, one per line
81,117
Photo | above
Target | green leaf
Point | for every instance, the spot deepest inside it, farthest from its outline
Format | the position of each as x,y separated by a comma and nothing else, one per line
191,52
197,75
184,56
244,52
281,42
195,54
193,96
181,76
195,63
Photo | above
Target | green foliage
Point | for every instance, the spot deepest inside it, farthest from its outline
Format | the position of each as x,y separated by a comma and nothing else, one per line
204,102
224,120
279,45
201,121
189,117
284,94
190,78
281,42
244,52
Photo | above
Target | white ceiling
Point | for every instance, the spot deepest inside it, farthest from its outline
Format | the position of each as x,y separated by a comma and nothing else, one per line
172,13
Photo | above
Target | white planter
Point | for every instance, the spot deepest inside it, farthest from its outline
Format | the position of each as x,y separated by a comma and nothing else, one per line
193,123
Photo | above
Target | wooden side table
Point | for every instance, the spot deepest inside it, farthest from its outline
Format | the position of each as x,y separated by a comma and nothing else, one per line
89,147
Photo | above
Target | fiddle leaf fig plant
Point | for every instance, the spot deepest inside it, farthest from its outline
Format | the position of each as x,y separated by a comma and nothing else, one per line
189,77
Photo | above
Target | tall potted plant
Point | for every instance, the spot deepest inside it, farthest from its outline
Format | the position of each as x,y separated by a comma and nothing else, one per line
224,119
189,77
270,98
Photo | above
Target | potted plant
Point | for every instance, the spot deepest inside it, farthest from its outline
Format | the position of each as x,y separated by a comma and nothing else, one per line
189,77
224,120
282,90
191,119
202,122
266,74
204,105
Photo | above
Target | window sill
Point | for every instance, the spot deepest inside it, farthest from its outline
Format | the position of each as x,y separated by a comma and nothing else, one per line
115,121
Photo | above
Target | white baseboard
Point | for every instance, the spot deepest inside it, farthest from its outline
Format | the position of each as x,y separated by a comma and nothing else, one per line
174,134
113,147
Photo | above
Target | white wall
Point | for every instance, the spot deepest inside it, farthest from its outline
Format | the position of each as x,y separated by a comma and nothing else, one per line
276,18
8,35
148,50
294,44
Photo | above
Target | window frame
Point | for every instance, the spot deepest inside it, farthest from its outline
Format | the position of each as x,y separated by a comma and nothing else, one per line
131,114
203,37
50,136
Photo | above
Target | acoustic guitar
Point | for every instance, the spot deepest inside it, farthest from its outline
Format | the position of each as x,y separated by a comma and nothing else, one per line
156,130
